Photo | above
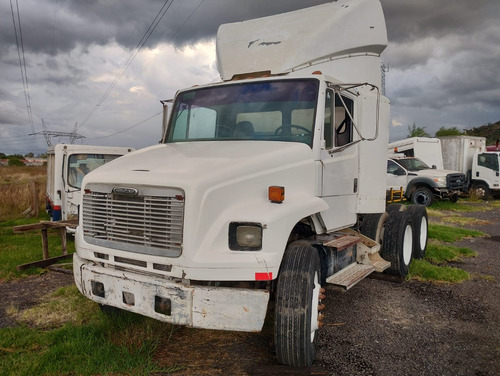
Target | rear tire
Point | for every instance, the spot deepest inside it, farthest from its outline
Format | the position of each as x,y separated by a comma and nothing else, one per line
395,207
422,196
418,215
373,226
297,306
398,243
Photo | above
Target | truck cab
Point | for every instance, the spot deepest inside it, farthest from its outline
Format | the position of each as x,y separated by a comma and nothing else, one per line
485,175
67,165
421,183
469,155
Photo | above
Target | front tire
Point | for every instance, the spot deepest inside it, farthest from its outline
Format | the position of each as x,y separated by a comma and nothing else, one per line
398,243
422,196
481,190
297,306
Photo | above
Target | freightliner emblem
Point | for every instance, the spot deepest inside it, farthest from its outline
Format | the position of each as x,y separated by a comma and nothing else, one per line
126,191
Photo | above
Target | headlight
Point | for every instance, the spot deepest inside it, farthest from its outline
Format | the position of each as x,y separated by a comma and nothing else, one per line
441,181
245,236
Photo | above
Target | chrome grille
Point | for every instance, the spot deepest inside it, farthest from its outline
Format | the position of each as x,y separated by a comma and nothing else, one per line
456,181
147,224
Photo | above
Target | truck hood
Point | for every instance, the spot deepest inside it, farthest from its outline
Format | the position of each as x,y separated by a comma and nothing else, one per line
434,173
181,164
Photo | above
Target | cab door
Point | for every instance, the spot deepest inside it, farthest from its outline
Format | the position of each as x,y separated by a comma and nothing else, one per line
397,176
487,169
339,158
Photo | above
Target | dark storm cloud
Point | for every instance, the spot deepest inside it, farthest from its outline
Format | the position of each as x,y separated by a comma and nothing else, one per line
443,55
53,27
411,20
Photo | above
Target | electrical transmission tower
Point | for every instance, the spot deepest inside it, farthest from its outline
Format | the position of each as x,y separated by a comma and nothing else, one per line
72,136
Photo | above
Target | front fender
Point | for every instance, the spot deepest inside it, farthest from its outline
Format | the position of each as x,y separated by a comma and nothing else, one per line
419,181
212,253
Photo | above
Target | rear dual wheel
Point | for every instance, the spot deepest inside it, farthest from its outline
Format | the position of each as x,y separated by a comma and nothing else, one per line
398,243
418,215
298,302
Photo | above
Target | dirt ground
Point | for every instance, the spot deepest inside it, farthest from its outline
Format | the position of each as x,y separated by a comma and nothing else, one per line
379,327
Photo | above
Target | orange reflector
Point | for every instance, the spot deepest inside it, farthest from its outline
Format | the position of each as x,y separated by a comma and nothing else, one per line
317,72
276,194
395,149
263,276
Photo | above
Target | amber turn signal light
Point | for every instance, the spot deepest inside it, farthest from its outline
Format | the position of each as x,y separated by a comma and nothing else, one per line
276,194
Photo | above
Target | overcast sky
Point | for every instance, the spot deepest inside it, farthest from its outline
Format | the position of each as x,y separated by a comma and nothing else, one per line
443,58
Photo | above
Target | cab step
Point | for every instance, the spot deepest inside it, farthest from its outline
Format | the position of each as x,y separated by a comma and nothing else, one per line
367,244
350,275
378,262
341,241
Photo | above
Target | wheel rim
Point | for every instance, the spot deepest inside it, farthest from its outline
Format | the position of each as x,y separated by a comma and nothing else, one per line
480,191
314,306
422,198
407,244
423,233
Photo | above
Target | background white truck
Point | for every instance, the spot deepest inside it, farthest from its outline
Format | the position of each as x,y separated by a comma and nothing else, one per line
427,149
422,184
259,186
66,167
468,154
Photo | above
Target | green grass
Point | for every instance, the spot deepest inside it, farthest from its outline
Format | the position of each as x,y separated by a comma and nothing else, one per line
423,270
451,234
459,206
440,253
17,249
67,334
434,268
88,343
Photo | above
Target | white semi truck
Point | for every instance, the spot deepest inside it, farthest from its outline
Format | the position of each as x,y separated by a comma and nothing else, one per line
265,186
468,154
66,167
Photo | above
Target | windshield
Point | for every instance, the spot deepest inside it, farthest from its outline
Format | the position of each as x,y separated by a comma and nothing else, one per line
80,165
413,164
268,110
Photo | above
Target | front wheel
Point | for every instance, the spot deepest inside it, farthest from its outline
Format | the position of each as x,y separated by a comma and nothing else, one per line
298,301
422,196
481,190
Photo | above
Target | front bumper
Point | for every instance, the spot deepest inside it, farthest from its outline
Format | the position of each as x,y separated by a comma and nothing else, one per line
205,307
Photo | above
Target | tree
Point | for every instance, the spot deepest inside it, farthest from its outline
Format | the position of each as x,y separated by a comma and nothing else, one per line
29,155
453,131
414,131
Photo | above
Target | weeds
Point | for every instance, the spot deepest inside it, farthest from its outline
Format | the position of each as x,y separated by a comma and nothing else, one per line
16,191
451,234
434,267
81,341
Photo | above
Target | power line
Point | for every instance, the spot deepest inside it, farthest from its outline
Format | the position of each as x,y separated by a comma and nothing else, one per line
159,16
126,129
22,62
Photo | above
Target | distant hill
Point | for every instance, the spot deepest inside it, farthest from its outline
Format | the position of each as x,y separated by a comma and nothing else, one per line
490,131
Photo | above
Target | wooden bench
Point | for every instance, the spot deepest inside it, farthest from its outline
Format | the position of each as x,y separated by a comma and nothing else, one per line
44,226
